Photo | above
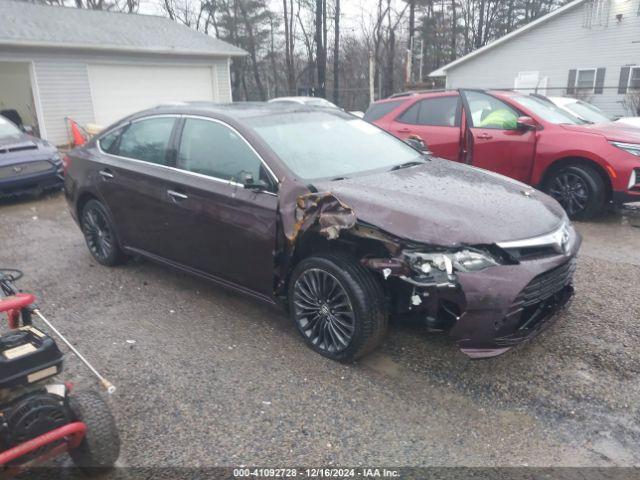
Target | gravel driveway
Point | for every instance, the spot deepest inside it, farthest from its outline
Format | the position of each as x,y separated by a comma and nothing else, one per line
207,377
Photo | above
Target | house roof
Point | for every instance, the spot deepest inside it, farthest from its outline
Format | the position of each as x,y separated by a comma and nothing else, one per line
35,25
525,28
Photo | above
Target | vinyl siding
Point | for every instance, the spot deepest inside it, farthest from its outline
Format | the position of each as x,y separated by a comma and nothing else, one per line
63,86
557,46
221,79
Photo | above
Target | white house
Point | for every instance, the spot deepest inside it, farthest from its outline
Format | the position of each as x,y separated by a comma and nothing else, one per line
96,67
587,48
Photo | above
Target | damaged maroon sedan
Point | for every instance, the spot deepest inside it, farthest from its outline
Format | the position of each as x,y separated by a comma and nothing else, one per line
334,218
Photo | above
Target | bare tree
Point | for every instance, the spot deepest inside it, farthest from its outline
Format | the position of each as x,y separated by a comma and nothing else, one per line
321,49
289,45
336,54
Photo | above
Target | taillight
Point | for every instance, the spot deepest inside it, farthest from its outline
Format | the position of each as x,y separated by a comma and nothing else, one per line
66,163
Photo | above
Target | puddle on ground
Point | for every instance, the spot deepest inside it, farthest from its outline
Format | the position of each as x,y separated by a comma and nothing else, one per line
628,215
621,228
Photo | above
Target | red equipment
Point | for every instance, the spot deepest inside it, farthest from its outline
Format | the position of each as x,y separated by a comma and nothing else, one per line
29,359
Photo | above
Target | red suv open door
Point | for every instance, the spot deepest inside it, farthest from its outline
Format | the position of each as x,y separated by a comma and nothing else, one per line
493,139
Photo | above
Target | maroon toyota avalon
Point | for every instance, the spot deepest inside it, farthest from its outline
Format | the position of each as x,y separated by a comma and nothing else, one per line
330,216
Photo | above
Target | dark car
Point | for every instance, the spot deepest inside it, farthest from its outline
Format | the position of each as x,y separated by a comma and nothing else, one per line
329,215
27,164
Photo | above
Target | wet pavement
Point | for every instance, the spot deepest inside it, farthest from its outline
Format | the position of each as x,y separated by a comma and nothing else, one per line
207,377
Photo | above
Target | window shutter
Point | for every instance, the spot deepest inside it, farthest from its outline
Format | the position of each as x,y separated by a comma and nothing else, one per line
599,80
571,83
624,79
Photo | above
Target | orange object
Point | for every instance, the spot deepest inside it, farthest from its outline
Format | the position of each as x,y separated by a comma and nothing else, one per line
77,135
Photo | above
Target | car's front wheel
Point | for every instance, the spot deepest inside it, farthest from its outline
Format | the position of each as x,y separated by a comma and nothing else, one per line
579,189
337,305
99,234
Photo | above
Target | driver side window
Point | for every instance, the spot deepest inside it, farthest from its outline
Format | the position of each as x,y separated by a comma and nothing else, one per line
213,149
489,112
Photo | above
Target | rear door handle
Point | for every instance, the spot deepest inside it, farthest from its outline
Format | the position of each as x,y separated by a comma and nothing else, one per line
177,195
106,173
485,136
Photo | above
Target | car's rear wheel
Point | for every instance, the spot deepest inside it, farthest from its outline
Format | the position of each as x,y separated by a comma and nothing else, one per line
579,189
99,234
337,305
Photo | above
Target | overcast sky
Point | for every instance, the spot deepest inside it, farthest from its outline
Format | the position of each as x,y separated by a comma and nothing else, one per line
352,11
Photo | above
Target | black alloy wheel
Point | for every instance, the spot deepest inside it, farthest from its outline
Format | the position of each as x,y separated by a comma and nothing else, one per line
571,191
579,189
337,305
323,310
99,234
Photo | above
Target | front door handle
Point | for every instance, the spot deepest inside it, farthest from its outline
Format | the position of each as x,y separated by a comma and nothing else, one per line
177,195
485,136
106,173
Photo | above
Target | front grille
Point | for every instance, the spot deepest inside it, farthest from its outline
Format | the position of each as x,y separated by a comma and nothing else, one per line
21,169
20,147
531,253
545,286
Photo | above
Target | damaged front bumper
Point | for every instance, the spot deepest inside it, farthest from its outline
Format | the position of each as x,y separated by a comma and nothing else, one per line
487,308
511,304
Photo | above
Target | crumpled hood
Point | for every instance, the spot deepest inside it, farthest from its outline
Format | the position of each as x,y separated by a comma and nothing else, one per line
22,148
611,131
447,203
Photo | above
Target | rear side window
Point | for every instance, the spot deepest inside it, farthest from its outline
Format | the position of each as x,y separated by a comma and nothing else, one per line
147,140
379,110
213,149
437,112
410,115
109,143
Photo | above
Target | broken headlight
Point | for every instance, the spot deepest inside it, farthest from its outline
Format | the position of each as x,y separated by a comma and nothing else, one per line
461,260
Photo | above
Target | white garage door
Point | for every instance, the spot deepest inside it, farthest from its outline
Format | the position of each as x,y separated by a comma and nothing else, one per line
119,90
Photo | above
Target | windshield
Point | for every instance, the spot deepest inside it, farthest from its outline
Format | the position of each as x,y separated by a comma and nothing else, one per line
547,111
588,112
7,128
319,145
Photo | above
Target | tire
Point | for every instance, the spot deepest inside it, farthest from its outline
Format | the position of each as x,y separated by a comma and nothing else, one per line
99,234
343,317
579,189
100,447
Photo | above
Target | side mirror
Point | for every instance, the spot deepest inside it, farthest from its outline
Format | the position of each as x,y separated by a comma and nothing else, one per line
414,141
526,123
247,180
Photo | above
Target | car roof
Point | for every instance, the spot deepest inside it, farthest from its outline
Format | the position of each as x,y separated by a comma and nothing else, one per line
294,99
416,95
235,110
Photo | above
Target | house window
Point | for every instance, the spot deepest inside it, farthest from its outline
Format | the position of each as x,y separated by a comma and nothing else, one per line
634,78
585,80
596,13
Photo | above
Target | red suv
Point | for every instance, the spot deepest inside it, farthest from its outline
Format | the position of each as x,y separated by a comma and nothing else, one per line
583,166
